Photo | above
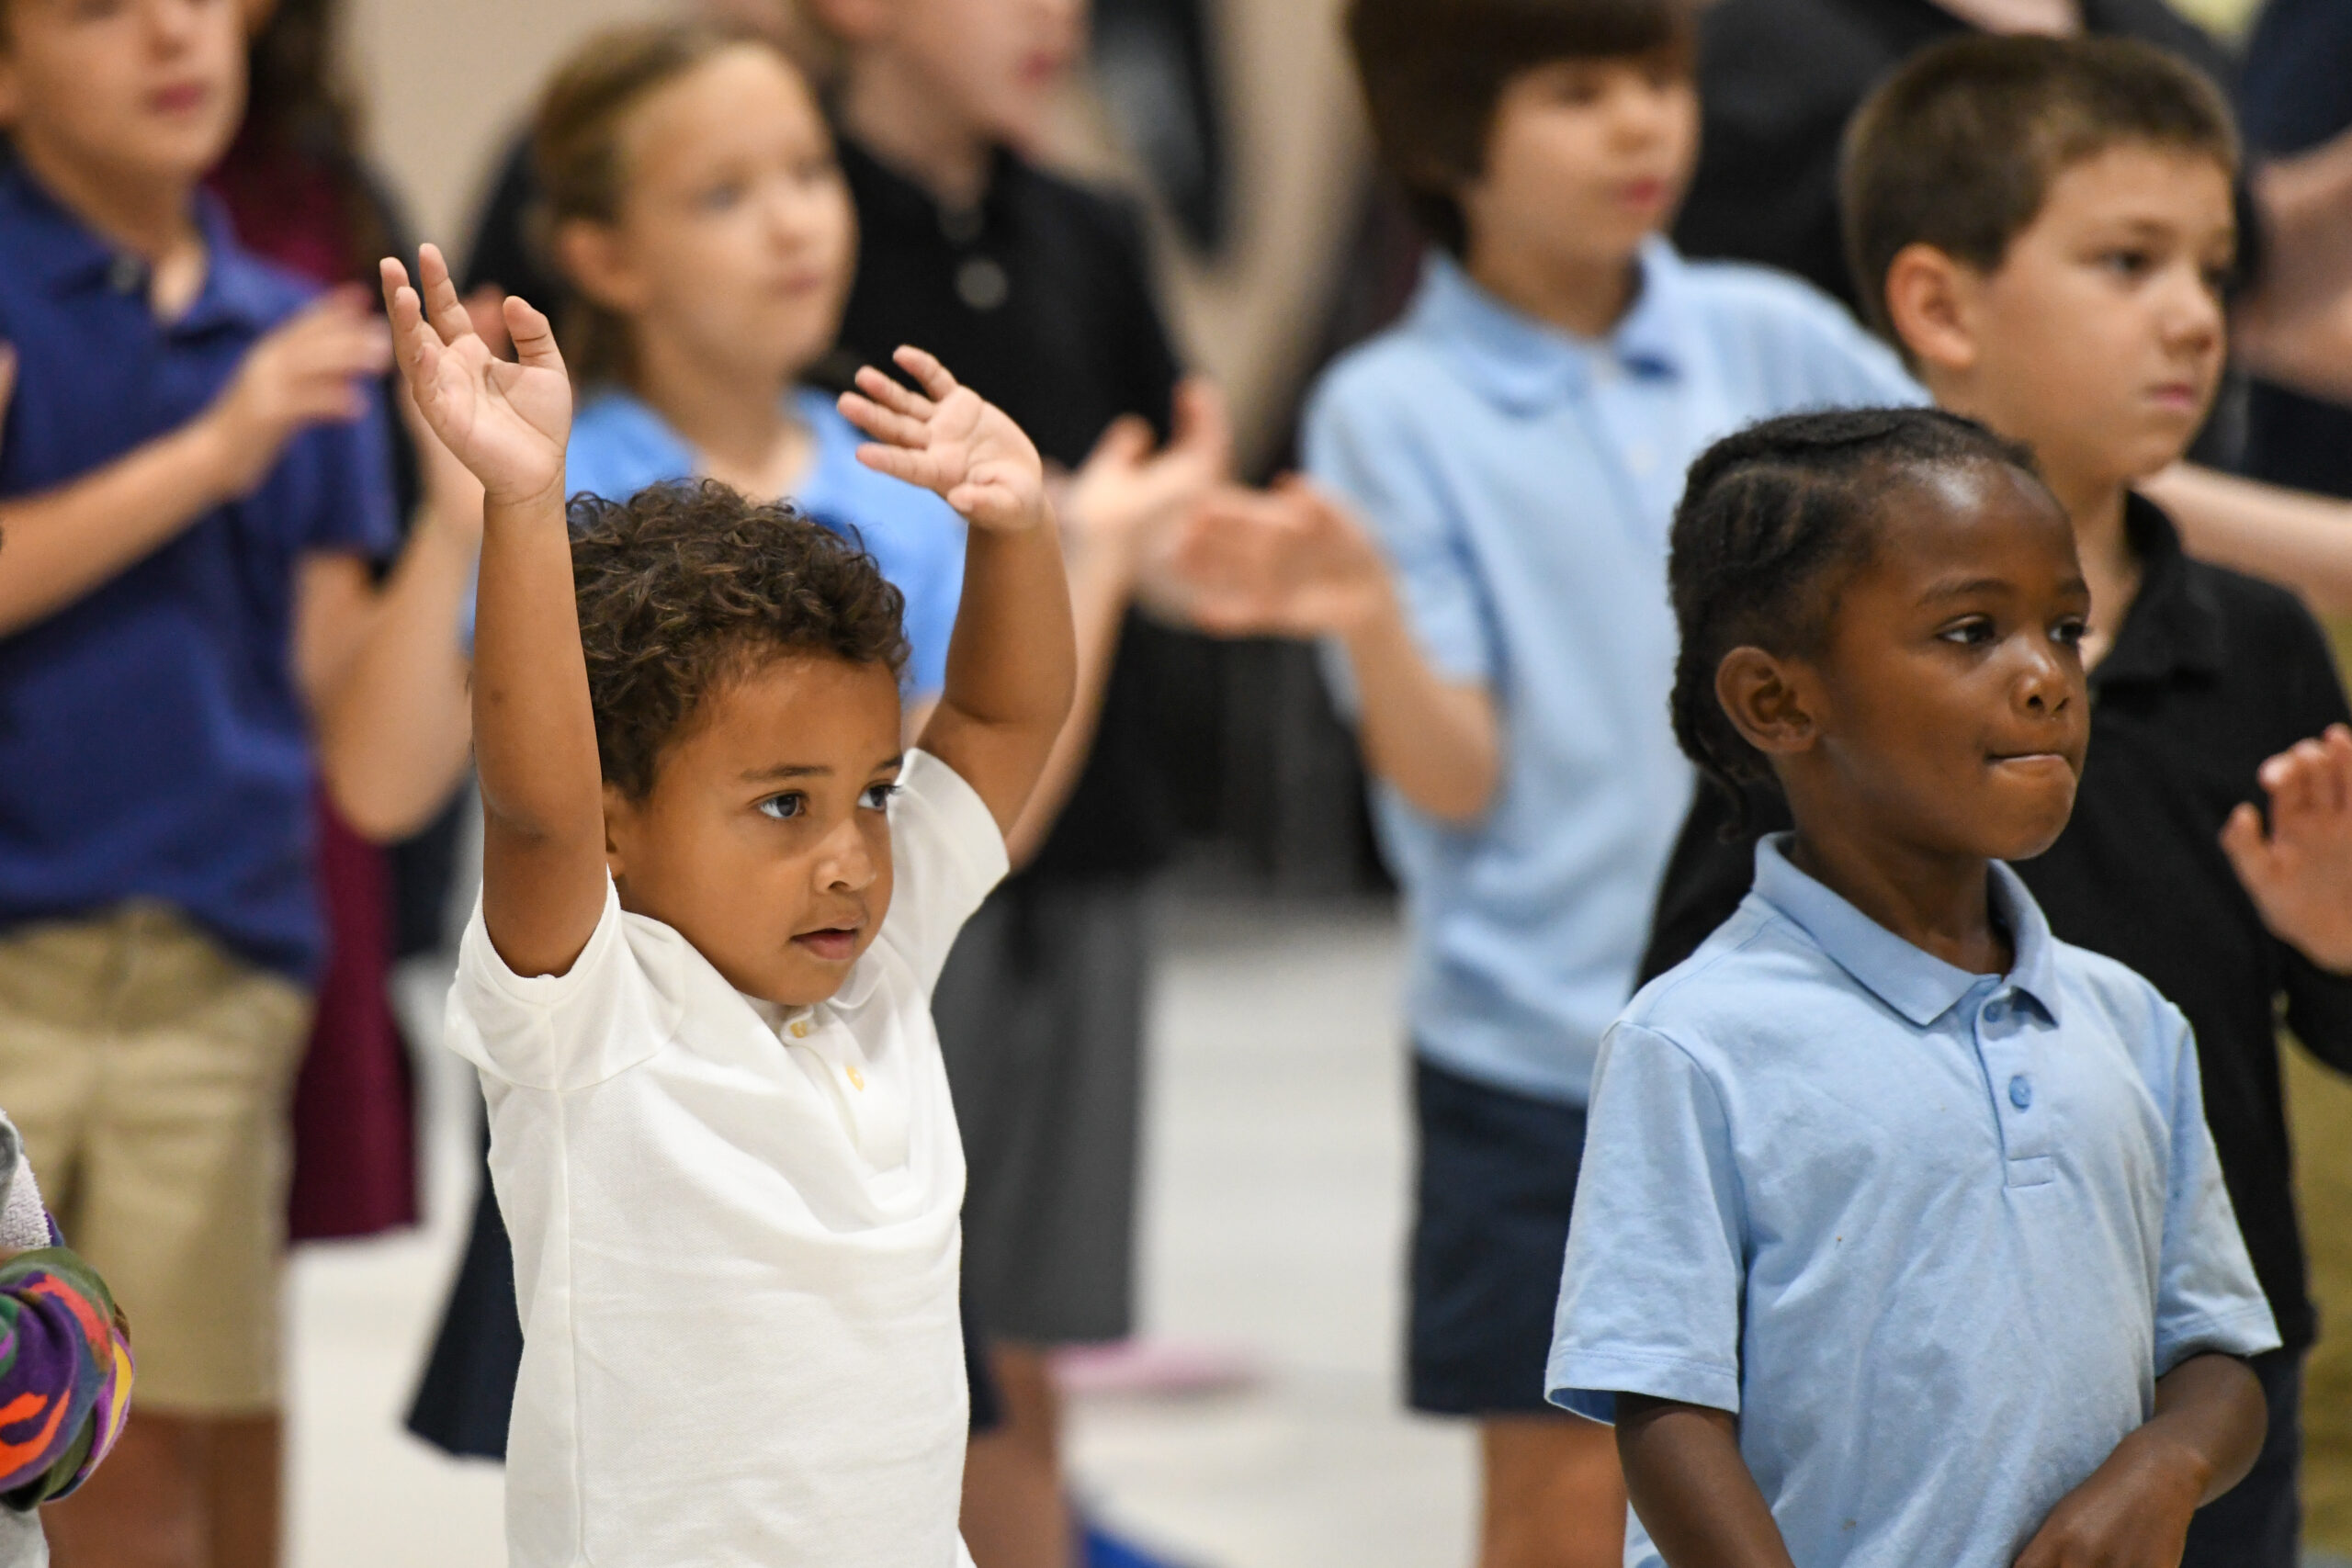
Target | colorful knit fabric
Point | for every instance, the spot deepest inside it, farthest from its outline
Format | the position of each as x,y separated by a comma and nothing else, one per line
65,1374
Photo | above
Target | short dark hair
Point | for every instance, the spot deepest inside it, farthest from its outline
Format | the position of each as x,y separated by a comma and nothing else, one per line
1432,72
1772,519
1958,149
686,586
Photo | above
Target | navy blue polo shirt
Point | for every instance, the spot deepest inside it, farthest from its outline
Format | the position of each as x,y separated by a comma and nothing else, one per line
152,743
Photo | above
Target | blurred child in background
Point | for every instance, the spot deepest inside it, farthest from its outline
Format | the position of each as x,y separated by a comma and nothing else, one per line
1039,293
1483,543
193,490
2064,285
1902,1238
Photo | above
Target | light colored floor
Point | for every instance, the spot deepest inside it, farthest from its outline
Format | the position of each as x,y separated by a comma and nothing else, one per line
1274,1204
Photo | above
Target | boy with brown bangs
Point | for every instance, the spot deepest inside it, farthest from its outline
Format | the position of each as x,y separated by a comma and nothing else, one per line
2045,225
1482,547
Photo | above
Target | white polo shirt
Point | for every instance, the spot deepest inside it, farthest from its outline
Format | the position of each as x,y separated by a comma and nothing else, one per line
736,1234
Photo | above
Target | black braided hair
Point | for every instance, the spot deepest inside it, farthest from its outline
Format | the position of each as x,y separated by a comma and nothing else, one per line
1769,517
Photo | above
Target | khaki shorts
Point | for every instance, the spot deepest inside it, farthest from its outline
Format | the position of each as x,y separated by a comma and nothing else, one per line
150,1072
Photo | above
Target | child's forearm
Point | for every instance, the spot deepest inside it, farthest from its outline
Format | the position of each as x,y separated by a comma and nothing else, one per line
1692,1488
2211,1413
1100,589
394,731
2300,541
1011,666
58,546
534,742
1436,742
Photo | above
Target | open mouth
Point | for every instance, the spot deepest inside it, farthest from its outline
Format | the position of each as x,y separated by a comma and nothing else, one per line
834,944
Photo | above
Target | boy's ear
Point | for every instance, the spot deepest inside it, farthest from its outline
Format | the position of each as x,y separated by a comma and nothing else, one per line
620,817
589,255
1930,303
1766,701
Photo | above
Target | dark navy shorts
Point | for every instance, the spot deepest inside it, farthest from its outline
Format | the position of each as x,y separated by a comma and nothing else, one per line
1498,1181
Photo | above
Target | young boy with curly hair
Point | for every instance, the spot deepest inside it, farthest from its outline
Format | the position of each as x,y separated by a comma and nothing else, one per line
716,893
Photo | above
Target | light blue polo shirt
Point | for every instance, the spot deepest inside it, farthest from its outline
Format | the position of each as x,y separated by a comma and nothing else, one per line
1522,482
619,446
1932,1236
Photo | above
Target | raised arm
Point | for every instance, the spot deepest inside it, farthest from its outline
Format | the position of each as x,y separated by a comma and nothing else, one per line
65,542
1692,1488
2297,539
535,735
1012,664
1293,562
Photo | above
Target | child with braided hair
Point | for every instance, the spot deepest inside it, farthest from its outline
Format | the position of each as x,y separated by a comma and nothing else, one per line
1885,1164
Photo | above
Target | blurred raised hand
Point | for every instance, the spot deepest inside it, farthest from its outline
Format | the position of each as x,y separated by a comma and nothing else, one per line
948,439
506,420
2299,870
1124,500
1289,561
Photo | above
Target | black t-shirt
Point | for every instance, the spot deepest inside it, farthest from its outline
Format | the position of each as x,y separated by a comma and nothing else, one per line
2211,674
1041,301
1778,79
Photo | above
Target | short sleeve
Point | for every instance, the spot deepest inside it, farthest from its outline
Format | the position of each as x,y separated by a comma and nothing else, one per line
336,482
2208,1300
1376,469
563,1032
1651,1289
947,852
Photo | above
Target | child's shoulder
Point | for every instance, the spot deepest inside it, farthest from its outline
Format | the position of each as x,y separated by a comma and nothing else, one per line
1737,305
2261,620
1389,376
1708,1004
1103,216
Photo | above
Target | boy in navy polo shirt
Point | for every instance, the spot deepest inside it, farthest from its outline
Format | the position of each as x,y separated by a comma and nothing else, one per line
190,495
1484,551
1902,1240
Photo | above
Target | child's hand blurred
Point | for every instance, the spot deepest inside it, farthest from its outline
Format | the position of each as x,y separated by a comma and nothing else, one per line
1285,562
507,422
313,370
2133,1511
948,439
1126,494
2300,872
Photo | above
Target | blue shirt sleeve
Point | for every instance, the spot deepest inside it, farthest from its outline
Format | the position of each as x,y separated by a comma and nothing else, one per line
1373,464
2207,1298
335,484
1651,1288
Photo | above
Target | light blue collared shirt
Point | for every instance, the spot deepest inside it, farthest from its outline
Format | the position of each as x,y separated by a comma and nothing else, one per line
1522,482
619,446
1932,1236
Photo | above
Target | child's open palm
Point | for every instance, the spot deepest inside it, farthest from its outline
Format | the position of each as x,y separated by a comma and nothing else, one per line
507,421
1284,562
949,439
2300,872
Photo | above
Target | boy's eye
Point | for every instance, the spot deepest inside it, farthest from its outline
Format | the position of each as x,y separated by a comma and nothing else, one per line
719,198
878,797
2070,632
783,808
2126,263
1969,633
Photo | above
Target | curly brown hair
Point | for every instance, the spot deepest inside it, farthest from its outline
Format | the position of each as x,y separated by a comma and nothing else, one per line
686,586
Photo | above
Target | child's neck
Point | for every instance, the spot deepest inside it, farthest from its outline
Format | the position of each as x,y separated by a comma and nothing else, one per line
898,117
153,218
737,425
1940,903
2111,565
1586,298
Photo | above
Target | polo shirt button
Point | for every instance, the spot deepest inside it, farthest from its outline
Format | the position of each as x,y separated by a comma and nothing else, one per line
981,284
125,275
2020,1092
856,1078
800,1029
1996,1011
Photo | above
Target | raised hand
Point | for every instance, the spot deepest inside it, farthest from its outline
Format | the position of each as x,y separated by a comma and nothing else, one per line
1284,562
1127,493
506,422
2300,872
949,439
313,370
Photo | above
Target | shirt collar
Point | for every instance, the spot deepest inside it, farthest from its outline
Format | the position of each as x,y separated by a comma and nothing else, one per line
1912,981
2174,626
1526,365
68,258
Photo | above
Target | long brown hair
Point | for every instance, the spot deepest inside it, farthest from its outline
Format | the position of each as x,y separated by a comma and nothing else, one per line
577,155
